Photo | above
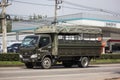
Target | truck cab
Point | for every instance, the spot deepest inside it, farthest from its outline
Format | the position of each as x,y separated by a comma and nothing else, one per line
34,48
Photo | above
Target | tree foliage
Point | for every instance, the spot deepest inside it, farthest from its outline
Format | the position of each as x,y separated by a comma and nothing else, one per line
30,17
9,26
36,17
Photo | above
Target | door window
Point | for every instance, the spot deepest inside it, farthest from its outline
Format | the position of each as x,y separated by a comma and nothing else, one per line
44,41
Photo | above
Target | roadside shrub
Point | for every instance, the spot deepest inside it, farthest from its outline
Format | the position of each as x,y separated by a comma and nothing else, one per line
9,57
110,56
15,56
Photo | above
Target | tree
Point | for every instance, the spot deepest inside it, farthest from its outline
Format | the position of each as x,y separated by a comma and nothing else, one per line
35,17
30,17
9,26
39,17
15,18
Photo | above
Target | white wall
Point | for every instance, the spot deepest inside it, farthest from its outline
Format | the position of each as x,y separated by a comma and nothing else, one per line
94,23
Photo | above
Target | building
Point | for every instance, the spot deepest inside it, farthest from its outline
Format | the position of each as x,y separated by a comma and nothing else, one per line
109,24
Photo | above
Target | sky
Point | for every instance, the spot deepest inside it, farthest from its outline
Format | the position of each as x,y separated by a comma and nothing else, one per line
29,9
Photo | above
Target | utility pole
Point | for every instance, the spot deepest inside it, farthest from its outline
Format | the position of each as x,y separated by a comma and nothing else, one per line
55,40
55,18
56,8
3,5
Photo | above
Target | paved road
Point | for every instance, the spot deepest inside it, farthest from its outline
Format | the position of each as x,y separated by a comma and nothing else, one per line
93,72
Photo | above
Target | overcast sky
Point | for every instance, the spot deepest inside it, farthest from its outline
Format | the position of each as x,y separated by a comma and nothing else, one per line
28,9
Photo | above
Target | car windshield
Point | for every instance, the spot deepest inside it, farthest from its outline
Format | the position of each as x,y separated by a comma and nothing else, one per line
29,41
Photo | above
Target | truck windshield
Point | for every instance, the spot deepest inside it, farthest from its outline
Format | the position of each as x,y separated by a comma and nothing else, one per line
29,41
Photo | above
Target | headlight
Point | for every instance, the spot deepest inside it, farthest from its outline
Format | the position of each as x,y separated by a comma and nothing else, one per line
34,56
20,56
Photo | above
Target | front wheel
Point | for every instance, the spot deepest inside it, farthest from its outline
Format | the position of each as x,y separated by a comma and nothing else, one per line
84,62
46,63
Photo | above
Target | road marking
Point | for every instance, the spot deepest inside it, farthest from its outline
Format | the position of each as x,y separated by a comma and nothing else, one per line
53,76
20,70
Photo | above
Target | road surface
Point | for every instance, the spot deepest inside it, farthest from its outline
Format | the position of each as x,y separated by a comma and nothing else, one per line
93,72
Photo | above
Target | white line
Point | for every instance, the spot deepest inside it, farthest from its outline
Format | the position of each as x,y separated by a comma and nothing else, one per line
41,70
54,70
52,76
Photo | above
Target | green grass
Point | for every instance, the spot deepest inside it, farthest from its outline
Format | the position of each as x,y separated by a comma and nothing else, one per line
10,63
105,61
98,61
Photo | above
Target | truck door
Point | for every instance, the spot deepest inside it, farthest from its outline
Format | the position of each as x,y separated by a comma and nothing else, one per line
44,41
45,44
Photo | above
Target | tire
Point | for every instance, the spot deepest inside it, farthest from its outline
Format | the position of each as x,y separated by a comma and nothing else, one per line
46,63
29,65
67,64
84,62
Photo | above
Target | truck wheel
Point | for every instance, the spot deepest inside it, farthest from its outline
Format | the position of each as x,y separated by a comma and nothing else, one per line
29,65
84,62
46,63
67,64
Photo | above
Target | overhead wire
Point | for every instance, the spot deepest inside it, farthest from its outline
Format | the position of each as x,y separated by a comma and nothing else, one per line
91,8
32,3
76,6
40,4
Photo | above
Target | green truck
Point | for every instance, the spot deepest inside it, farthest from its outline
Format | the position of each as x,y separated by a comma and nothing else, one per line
70,45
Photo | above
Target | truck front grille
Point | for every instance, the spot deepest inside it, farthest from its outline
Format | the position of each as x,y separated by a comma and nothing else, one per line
26,55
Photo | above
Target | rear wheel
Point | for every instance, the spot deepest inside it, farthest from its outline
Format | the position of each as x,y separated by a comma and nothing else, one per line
46,63
84,62
29,65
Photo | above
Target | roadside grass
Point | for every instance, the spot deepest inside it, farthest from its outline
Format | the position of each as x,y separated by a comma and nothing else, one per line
98,61
10,63
105,61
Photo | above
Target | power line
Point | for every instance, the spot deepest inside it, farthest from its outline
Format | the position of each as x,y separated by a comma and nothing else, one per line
32,3
77,8
78,5
92,8
68,7
86,8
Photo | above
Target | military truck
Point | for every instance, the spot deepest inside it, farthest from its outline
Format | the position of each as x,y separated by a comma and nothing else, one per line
70,45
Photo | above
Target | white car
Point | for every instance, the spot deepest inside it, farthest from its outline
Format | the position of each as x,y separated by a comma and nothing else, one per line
8,45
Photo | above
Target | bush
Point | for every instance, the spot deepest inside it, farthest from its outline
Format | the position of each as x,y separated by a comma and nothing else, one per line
15,56
9,57
110,56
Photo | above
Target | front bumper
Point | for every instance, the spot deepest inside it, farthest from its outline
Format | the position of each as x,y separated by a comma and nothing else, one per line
24,60
32,58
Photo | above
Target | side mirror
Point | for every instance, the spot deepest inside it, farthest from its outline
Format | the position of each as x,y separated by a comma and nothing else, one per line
49,47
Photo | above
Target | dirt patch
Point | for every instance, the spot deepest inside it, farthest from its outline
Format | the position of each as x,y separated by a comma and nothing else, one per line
117,78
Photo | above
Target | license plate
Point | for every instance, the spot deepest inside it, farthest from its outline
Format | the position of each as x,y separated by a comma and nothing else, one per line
25,59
